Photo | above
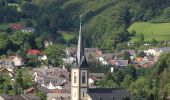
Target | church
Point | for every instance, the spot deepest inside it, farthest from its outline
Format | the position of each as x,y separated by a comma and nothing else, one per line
79,80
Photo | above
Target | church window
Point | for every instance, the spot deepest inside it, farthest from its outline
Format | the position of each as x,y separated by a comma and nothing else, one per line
83,94
75,77
83,78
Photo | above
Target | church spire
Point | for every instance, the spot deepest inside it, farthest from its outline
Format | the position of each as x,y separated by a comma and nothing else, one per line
80,48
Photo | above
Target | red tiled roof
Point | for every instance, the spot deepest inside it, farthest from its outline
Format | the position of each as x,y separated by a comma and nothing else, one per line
34,52
16,26
139,59
99,53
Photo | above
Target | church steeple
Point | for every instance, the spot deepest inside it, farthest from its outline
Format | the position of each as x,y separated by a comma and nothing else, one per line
79,72
80,47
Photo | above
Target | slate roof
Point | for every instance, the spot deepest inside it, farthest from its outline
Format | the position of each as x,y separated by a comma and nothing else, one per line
108,94
21,97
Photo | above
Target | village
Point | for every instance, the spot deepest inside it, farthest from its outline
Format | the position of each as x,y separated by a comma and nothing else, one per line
55,81
84,50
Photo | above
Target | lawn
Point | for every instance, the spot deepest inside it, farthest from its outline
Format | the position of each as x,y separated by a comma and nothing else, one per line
67,35
15,5
158,31
3,26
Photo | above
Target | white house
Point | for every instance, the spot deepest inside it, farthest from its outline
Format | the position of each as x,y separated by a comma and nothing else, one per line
48,43
157,51
17,61
102,60
42,57
69,60
28,30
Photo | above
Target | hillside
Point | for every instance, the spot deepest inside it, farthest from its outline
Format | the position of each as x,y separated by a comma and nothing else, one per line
109,19
105,22
157,31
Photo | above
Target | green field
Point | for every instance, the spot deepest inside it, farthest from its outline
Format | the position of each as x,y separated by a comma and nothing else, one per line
158,31
3,26
67,35
15,5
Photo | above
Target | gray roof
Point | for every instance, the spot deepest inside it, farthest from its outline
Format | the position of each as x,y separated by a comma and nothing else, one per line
21,97
107,56
108,94
97,74
165,49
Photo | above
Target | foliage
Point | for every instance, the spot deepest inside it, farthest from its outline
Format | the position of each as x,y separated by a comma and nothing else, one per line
41,94
4,42
96,67
54,54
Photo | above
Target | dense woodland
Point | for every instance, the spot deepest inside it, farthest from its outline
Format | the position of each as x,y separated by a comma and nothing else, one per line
105,22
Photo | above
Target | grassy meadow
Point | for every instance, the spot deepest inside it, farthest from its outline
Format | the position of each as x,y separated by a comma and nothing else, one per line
158,31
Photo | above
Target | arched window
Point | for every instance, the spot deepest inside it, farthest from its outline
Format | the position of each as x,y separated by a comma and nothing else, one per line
75,77
83,78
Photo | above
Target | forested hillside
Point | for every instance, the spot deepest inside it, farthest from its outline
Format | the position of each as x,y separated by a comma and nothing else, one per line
105,22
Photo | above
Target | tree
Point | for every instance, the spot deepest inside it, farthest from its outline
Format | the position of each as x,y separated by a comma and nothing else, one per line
141,54
141,37
54,54
127,81
166,13
130,70
4,42
30,10
126,56
40,43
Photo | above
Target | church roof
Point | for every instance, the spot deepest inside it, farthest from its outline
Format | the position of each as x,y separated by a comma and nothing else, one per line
108,94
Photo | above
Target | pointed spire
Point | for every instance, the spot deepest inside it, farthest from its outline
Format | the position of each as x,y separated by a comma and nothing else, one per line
80,48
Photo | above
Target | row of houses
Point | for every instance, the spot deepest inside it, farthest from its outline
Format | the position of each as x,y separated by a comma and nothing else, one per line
116,59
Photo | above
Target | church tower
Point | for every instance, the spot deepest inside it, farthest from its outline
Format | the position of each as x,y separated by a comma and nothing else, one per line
79,73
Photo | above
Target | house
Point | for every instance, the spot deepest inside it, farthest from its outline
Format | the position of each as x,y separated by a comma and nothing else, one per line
29,96
148,58
104,58
108,94
132,53
18,61
157,51
119,63
48,43
28,30
70,51
59,95
16,26
69,60
95,77
7,71
42,57
52,78
138,59
33,52
12,61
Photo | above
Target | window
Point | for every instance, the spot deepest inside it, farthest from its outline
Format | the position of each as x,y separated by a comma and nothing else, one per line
83,94
75,77
83,78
